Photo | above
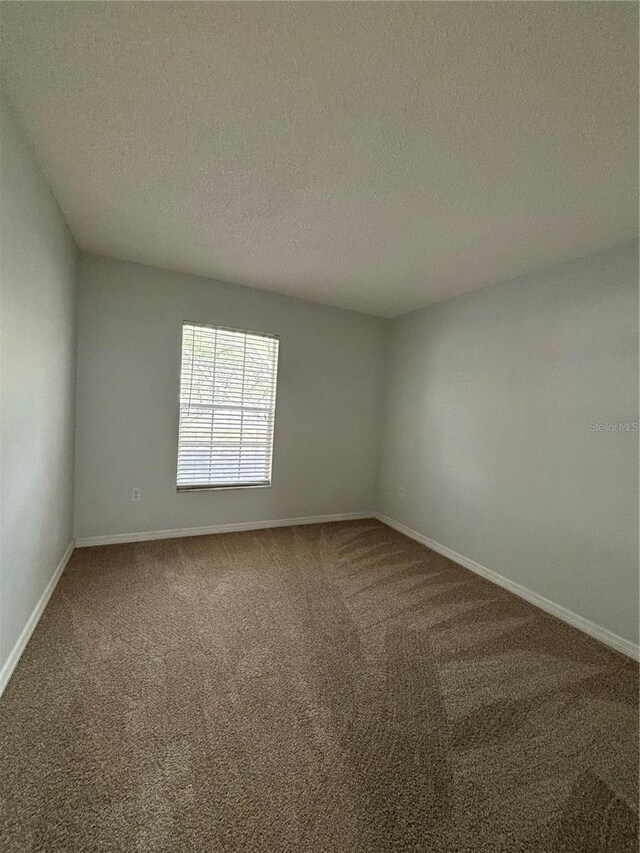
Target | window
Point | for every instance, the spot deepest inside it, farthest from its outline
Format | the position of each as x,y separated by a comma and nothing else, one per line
227,407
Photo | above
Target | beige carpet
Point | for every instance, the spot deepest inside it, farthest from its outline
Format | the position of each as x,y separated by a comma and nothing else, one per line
326,688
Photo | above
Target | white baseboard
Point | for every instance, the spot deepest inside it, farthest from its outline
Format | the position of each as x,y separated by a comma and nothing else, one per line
116,538
21,643
596,631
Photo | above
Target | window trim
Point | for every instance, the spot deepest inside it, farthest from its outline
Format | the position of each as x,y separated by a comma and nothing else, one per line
226,486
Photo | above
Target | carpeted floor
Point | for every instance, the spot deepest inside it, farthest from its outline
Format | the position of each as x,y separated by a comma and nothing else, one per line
333,688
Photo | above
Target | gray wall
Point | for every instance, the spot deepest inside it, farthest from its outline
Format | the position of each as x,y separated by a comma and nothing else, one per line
489,402
37,382
327,417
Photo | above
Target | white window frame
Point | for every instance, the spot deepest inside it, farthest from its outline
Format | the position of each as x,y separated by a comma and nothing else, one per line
234,485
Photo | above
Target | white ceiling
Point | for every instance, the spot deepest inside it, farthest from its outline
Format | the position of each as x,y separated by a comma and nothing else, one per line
375,156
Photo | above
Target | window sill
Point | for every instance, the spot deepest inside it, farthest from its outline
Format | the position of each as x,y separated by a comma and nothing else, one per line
181,489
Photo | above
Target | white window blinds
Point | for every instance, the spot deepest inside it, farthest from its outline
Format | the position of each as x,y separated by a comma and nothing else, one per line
227,407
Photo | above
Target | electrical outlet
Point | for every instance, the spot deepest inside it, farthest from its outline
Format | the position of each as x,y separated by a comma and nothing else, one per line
136,494
401,492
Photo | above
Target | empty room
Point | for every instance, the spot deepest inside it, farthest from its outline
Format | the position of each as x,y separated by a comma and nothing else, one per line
319,427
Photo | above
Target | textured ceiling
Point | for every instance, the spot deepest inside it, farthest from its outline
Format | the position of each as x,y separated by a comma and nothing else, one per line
376,156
